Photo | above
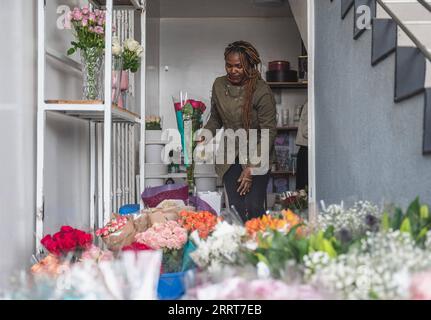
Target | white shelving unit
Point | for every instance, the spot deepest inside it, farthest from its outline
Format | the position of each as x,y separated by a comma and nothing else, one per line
92,111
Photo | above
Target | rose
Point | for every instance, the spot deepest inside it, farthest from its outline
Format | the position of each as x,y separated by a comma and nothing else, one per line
85,10
131,45
99,30
66,229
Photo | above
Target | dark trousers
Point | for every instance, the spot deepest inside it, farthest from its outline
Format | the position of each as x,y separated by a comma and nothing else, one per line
302,168
250,205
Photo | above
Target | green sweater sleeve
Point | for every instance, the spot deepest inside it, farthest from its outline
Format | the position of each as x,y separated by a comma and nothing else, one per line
267,118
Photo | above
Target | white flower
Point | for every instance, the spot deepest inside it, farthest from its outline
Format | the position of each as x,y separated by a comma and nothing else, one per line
139,51
131,45
263,271
116,46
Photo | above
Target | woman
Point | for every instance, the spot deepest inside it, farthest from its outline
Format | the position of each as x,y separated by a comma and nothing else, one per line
302,142
242,100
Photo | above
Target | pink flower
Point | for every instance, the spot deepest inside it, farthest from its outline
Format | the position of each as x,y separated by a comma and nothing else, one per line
97,12
77,15
84,22
92,17
420,286
99,30
101,22
177,106
85,10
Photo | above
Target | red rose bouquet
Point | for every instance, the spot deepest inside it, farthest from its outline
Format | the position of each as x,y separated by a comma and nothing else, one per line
67,240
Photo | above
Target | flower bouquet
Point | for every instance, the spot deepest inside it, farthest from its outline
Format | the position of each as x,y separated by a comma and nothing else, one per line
67,241
153,123
129,57
203,222
118,233
89,27
286,220
171,238
221,248
189,119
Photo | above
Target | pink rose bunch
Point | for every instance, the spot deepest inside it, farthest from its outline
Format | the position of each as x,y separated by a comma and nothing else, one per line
84,17
197,105
169,235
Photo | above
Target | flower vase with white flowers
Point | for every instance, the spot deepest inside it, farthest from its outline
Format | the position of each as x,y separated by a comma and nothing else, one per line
127,57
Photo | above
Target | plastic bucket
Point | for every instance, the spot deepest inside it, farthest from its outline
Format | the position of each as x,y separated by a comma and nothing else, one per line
171,286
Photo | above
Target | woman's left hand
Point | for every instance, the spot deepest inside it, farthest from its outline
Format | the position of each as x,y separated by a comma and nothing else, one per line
245,180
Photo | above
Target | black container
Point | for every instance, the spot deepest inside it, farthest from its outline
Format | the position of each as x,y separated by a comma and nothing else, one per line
282,76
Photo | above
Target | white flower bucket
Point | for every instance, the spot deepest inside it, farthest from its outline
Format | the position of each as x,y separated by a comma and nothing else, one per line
206,183
154,182
155,169
153,153
205,169
153,135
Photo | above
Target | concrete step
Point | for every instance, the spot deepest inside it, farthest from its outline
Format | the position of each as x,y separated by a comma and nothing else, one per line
405,10
422,31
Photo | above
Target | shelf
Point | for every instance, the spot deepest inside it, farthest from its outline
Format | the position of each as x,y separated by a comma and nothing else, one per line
180,175
292,128
92,110
288,85
282,173
119,3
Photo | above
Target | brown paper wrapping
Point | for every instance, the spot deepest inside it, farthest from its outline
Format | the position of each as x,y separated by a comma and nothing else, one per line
121,238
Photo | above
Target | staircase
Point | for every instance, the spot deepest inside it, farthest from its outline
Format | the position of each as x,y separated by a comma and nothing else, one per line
391,22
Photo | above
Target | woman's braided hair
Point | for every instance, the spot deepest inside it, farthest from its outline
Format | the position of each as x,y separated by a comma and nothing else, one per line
250,60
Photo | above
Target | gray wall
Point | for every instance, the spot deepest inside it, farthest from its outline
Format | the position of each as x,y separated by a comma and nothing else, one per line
367,147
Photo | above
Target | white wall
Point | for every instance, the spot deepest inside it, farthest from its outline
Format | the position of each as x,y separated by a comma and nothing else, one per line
66,152
18,134
67,140
193,50
299,10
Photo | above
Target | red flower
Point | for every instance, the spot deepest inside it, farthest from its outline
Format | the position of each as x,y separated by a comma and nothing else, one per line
178,106
66,240
136,246
65,229
83,239
50,245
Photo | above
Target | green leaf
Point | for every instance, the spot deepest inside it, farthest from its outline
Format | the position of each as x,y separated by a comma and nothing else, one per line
385,222
405,226
71,51
397,219
262,258
373,295
329,249
414,208
424,212
422,233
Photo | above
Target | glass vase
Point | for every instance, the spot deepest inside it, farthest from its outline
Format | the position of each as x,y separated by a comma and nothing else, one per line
172,260
117,67
92,69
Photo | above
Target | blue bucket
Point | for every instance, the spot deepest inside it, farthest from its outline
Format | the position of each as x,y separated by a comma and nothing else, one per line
171,286
129,209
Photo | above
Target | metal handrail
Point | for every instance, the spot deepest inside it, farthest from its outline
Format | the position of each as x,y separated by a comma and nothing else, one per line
427,5
412,37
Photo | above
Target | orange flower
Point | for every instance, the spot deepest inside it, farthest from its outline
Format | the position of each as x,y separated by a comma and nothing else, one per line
288,220
203,221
